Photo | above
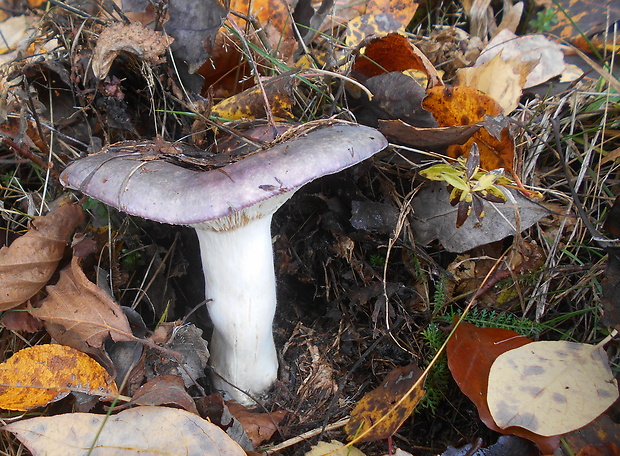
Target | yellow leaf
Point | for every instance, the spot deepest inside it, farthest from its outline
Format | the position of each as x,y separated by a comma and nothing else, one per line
36,376
250,104
500,79
368,25
376,416
333,448
550,388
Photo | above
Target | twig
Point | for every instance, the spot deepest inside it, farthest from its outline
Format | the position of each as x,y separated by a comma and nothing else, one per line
30,156
306,435
77,11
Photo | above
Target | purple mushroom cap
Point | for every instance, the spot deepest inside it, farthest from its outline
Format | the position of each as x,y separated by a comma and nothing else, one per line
164,192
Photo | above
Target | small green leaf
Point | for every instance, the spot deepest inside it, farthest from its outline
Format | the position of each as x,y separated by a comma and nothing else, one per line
436,172
455,181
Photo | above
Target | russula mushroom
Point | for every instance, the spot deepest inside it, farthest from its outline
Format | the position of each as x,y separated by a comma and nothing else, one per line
231,210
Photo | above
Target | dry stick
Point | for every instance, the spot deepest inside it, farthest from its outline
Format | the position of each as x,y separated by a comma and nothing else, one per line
305,436
29,155
268,111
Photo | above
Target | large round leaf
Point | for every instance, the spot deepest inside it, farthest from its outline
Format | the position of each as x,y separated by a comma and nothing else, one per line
550,388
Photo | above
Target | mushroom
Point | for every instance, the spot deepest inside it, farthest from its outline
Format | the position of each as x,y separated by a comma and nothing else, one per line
231,209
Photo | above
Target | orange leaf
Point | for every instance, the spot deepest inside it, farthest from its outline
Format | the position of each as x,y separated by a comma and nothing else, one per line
30,261
36,376
394,52
465,106
381,402
471,352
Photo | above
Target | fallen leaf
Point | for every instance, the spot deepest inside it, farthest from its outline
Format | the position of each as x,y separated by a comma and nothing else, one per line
506,445
395,96
133,38
434,138
373,216
190,355
462,105
250,104
14,31
601,431
391,53
192,23
20,320
501,79
435,218
80,314
371,25
551,387
140,430
30,261
604,449
401,10
471,351
380,403
216,411
36,376
259,427
164,390
544,56
333,448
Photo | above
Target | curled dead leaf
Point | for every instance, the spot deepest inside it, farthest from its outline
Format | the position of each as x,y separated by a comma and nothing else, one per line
134,38
30,261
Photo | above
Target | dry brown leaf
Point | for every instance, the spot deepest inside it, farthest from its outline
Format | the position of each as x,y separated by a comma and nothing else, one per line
38,375
134,38
30,261
435,138
258,426
380,404
503,80
20,320
165,390
80,314
140,430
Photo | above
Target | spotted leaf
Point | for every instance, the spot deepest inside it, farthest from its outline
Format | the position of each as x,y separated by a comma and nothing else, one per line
549,387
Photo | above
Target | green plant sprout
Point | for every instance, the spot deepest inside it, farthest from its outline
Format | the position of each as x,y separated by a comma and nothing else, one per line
545,20
437,381
470,184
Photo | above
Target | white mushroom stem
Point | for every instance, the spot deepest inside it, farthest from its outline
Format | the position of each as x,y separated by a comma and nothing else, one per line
237,261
